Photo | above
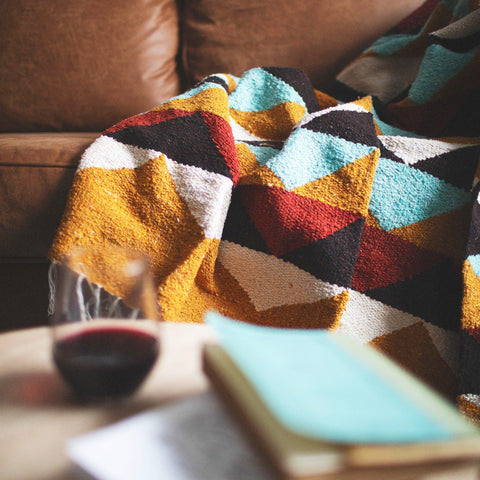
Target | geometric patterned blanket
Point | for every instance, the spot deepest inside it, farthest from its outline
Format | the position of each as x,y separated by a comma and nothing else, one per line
274,203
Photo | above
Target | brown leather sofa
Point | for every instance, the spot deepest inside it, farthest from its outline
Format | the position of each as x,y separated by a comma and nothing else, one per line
71,68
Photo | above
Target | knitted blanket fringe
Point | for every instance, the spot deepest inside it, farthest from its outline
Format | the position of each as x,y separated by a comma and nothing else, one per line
274,203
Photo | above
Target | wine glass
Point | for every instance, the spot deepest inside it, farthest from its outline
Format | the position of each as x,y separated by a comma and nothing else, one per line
104,321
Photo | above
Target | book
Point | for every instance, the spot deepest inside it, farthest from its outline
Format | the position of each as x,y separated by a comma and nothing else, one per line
320,405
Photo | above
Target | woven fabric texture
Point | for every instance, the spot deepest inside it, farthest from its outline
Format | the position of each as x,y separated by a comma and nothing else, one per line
274,203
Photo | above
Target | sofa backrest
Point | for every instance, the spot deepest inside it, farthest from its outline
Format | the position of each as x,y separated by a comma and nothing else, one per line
82,65
318,36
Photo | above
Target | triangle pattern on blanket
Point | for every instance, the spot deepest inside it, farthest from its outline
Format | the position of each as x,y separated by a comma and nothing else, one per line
271,282
412,150
366,318
446,159
385,259
148,118
402,195
207,195
421,356
308,156
288,221
435,233
456,168
300,83
239,227
433,295
332,258
353,126
347,188
185,139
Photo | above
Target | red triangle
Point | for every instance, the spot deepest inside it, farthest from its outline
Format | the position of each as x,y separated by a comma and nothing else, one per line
384,259
149,118
222,136
288,221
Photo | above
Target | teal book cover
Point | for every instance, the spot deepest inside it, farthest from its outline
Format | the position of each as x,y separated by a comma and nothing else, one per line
321,403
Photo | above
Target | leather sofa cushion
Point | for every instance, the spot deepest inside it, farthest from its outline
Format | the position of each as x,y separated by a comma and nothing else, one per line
319,36
83,65
36,172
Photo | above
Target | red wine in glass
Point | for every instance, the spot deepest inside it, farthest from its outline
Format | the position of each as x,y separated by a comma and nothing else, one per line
105,362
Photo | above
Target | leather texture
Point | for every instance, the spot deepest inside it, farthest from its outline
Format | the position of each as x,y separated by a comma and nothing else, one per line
320,36
84,65
36,172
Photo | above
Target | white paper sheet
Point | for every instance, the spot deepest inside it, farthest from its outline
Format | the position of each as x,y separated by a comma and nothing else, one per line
193,439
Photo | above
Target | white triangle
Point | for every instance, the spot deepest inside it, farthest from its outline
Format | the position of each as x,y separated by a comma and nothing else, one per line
271,282
345,107
207,195
412,150
106,152
447,343
366,319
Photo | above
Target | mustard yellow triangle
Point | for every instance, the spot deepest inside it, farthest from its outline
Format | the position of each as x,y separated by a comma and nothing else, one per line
325,314
471,297
435,233
324,100
348,188
262,176
145,219
185,293
365,102
246,159
213,100
275,123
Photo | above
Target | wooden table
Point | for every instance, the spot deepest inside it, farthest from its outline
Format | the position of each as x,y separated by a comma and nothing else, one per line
38,413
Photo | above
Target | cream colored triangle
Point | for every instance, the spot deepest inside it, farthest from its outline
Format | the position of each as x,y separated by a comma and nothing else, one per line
271,282
106,152
346,107
207,195
366,319
412,150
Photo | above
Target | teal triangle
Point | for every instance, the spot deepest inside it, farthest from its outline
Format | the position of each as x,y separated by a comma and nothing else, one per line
262,153
438,67
403,195
308,156
259,90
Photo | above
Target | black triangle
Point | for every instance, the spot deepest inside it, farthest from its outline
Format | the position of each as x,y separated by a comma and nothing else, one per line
239,228
183,139
456,167
343,92
473,242
357,127
434,295
386,153
469,375
331,259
